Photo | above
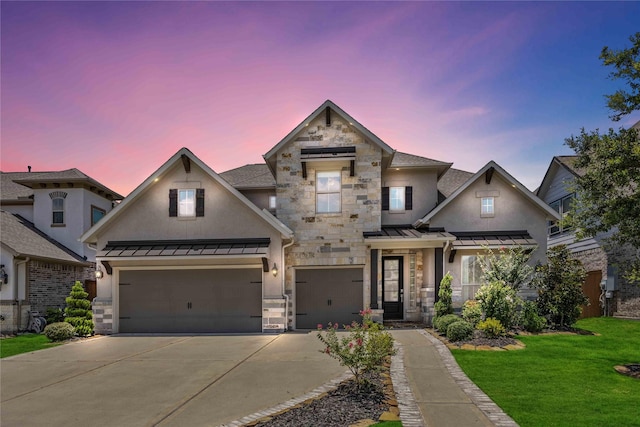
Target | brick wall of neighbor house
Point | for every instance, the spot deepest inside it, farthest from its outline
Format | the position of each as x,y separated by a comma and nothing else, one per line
50,283
328,239
626,300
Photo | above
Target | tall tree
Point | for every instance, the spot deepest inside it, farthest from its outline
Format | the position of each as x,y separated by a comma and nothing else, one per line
627,67
608,190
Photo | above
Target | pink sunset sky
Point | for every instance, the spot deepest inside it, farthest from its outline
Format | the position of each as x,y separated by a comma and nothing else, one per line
115,88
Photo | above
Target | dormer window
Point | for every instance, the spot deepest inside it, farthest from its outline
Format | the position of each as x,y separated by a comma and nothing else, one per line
57,207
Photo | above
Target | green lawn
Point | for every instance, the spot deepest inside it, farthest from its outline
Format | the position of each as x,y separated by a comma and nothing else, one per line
564,380
24,344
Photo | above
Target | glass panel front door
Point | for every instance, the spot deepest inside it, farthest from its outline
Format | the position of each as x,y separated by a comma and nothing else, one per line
392,290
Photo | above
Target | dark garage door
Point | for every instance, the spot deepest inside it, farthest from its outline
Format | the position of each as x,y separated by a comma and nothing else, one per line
328,295
185,301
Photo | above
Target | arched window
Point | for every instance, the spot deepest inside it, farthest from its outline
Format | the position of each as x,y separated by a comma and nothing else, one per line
57,207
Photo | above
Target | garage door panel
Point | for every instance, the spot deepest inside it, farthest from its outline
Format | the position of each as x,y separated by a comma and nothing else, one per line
328,295
185,301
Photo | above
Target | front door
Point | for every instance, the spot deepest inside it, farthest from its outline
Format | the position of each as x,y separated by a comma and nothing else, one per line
392,290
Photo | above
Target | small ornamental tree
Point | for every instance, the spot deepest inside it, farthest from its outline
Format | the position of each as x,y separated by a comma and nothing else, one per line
444,304
362,349
509,266
78,312
559,285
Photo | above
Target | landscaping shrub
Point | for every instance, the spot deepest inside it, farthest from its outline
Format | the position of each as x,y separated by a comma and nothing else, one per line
363,349
498,301
491,327
530,320
509,266
559,285
78,312
443,306
459,331
59,331
472,312
54,315
443,322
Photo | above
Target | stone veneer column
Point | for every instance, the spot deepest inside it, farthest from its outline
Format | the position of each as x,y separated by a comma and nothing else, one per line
102,316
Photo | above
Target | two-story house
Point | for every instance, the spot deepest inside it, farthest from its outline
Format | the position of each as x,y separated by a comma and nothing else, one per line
623,298
333,222
43,215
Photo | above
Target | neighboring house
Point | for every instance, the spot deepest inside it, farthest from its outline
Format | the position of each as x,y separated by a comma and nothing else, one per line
43,215
556,190
356,225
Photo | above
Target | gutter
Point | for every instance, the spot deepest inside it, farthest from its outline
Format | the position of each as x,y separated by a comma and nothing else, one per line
284,294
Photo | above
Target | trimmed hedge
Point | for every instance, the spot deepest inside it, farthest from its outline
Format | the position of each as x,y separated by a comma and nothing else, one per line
459,331
441,323
59,331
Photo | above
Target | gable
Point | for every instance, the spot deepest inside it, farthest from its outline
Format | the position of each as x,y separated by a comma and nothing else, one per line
145,213
486,175
323,117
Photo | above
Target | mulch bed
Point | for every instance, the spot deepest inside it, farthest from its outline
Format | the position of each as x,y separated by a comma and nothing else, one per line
344,406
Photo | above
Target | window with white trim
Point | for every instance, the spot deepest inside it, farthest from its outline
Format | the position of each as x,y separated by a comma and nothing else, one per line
272,202
187,203
487,206
328,192
396,198
471,277
57,207
563,207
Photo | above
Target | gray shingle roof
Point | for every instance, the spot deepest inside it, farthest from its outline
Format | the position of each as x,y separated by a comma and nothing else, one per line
452,180
24,239
570,163
410,160
11,190
250,176
18,184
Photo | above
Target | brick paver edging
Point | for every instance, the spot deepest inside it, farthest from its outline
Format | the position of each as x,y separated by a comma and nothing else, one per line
477,396
410,414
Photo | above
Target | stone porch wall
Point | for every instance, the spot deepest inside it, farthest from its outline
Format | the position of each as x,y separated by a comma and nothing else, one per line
102,316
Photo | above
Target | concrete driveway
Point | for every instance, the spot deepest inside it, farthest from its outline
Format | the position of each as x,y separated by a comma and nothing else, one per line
160,380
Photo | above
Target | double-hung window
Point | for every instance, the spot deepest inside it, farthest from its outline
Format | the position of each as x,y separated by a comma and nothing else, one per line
328,192
487,206
186,203
57,207
563,207
396,198
471,277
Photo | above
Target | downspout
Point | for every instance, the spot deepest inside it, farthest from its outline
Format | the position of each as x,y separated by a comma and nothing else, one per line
16,274
284,294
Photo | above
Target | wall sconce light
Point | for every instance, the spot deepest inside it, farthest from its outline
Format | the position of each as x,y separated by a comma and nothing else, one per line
4,277
99,273
274,270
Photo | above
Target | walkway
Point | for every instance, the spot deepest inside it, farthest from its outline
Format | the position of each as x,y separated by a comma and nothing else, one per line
435,391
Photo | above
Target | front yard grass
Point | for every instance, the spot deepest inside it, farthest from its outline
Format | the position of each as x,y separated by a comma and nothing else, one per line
24,344
564,380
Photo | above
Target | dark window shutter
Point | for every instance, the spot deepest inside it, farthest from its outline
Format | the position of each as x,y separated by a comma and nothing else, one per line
199,201
173,202
408,198
385,198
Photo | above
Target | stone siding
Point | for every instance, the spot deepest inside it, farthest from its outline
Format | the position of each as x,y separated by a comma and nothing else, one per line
9,321
102,316
273,315
332,238
49,284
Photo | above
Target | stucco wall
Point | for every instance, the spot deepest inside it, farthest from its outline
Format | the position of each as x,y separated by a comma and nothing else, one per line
425,194
513,211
